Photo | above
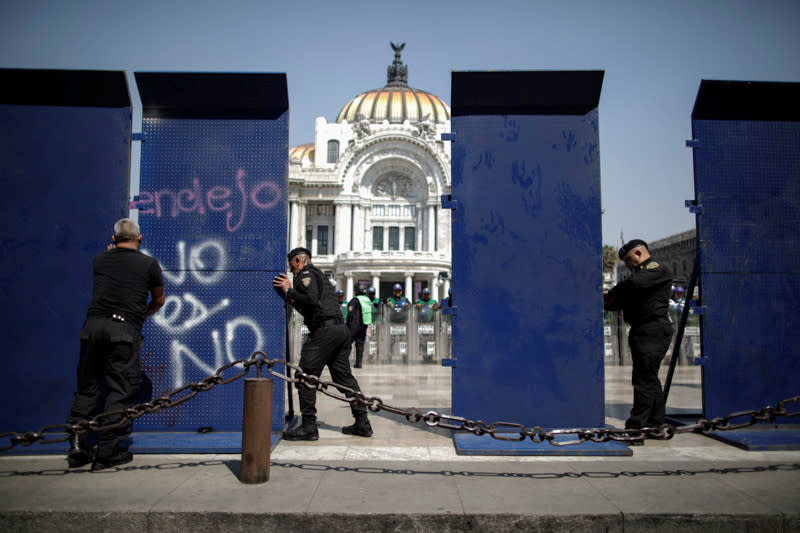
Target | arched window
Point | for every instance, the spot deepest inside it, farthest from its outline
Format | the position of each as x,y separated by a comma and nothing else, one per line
333,151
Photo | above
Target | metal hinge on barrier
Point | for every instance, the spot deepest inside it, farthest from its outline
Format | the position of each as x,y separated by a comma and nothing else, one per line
700,361
138,137
448,202
693,206
449,137
692,143
132,203
449,361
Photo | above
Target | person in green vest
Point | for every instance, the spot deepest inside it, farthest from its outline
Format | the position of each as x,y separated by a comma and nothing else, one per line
426,306
359,317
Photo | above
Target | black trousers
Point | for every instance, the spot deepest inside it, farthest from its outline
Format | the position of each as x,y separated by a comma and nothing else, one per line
359,339
327,346
649,345
109,362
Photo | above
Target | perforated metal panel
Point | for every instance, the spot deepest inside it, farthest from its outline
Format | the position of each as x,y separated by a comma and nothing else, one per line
527,333
747,182
212,208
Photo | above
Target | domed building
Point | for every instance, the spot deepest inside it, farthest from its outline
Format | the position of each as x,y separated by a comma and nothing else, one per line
365,196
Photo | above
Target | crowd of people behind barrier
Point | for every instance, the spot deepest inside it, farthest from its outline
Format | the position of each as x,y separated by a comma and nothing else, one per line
395,321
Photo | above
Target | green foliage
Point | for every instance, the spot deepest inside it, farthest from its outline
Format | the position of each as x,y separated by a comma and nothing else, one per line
609,258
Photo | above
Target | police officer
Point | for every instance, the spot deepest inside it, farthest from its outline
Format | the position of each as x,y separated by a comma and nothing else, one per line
110,343
328,342
425,305
644,300
359,317
398,305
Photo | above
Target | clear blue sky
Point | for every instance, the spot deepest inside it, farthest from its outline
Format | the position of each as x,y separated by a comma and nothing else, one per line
654,55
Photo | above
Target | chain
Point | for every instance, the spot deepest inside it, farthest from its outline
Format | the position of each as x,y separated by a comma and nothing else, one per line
504,431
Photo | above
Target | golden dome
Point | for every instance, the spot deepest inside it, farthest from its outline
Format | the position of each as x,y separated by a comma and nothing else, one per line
304,152
396,102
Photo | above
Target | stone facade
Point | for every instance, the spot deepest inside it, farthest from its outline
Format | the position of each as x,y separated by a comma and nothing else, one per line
364,197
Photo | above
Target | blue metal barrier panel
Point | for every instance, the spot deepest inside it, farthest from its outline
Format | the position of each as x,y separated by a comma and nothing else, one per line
527,330
747,184
65,152
212,208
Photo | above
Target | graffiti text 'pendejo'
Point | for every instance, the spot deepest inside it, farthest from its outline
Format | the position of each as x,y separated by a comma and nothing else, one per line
217,198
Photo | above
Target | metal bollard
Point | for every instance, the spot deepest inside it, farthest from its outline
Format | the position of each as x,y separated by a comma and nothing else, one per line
256,430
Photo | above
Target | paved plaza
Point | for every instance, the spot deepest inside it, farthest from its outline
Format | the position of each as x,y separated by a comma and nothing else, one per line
408,477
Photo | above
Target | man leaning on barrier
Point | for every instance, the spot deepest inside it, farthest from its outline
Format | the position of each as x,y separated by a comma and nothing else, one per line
644,300
110,342
328,342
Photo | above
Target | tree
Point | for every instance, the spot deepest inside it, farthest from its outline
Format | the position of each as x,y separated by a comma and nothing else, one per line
609,258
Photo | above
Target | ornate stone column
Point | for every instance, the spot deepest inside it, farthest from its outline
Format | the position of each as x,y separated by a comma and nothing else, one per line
376,282
348,293
358,228
408,290
343,222
420,245
431,228
293,227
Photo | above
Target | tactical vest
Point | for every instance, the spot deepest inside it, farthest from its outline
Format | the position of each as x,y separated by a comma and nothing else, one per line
366,309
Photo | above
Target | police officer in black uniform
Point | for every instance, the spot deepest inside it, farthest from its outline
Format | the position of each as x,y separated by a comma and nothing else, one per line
644,300
110,343
328,342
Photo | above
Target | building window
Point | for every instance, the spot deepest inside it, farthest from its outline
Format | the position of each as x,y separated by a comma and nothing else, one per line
322,240
394,238
394,211
408,241
377,238
333,151
309,236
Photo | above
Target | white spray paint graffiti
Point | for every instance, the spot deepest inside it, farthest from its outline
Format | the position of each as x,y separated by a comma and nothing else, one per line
183,314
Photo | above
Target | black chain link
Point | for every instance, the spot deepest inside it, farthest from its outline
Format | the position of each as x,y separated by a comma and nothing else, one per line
505,431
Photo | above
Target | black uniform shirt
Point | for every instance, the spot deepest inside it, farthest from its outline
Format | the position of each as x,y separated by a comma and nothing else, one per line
314,297
644,296
123,278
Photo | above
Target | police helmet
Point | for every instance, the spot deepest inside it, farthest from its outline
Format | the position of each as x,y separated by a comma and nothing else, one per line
339,292
371,290
358,289
426,290
397,287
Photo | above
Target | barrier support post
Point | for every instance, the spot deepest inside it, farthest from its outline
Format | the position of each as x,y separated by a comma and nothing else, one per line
256,429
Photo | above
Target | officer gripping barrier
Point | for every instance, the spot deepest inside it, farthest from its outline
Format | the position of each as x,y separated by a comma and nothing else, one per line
503,431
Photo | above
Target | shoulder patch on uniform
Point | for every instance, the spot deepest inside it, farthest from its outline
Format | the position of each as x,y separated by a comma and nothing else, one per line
306,281
652,265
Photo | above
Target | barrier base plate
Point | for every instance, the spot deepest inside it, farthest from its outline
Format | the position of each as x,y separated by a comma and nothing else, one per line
773,438
469,444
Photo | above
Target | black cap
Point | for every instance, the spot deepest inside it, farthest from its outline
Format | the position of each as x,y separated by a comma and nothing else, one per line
298,251
630,245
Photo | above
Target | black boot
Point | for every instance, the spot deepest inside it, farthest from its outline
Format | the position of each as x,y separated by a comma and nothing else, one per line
80,451
306,431
361,428
119,458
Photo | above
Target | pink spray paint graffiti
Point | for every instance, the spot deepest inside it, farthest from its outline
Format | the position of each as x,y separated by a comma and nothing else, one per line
216,198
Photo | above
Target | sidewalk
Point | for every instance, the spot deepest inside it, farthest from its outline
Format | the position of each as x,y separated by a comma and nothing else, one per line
409,478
